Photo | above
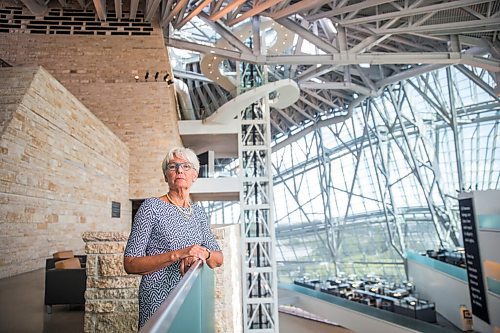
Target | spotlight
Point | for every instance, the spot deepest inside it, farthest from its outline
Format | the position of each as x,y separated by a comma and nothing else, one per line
165,77
146,76
156,76
169,82
136,78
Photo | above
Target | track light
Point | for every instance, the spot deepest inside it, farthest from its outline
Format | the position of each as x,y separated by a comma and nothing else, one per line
165,77
156,76
136,78
146,76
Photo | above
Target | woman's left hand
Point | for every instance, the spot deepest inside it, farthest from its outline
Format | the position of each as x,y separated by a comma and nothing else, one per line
186,263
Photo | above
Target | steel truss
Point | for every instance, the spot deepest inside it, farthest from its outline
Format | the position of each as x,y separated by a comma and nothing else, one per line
260,290
259,270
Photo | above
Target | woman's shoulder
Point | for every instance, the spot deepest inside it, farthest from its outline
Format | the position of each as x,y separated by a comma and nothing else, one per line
151,202
199,210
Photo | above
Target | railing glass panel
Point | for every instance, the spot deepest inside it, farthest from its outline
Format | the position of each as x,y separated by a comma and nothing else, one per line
189,307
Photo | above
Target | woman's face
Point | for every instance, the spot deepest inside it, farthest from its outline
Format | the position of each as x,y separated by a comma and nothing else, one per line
180,173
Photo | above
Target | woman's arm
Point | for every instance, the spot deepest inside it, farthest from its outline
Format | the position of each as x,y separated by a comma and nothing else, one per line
148,264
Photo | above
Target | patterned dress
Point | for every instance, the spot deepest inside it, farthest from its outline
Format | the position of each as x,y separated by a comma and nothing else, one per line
160,227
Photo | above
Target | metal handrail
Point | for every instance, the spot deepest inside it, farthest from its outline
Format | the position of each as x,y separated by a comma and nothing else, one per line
161,320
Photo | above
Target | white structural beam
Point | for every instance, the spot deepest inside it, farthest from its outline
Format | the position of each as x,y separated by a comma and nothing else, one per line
444,28
193,13
298,7
134,4
306,34
100,9
226,34
226,10
443,58
35,7
118,8
257,9
348,9
168,15
151,9
338,85
411,11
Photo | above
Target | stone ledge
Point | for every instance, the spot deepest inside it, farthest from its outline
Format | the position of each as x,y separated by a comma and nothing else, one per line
96,236
105,247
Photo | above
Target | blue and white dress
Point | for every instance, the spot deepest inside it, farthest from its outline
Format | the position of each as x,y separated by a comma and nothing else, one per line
160,227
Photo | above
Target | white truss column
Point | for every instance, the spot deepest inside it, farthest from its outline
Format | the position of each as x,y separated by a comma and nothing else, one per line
260,290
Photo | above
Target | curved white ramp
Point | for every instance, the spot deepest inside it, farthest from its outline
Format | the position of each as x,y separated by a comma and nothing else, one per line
287,93
210,64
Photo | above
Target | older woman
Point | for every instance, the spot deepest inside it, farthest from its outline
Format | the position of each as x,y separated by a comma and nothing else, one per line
169,233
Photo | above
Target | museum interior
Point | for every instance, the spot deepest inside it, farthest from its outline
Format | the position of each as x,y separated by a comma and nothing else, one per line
349,162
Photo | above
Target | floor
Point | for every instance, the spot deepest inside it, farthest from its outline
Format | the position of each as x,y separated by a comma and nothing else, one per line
22,309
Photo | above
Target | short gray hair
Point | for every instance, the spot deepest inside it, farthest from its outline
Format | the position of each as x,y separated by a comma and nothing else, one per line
181,152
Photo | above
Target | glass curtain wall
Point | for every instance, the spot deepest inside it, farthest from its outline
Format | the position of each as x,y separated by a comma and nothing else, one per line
352,197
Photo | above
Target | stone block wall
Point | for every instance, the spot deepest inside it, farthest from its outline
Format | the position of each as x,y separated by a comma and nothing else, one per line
60,170
228,297
99,71
111,298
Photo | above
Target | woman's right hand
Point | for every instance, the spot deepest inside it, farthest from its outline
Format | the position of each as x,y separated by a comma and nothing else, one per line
196,251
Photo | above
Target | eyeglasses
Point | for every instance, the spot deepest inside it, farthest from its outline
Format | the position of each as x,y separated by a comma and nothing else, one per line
186,166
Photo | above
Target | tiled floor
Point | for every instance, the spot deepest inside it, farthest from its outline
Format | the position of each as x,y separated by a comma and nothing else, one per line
22,309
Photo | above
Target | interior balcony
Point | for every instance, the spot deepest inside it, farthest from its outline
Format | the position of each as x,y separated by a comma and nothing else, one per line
217,148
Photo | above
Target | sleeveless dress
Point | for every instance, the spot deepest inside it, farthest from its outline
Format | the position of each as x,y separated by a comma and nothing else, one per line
160,227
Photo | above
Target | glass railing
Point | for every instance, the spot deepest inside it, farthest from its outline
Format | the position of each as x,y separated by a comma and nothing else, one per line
189,307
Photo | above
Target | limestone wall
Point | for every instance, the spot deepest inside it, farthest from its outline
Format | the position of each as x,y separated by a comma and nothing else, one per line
228,297
111,298
60,169
99,70
111,303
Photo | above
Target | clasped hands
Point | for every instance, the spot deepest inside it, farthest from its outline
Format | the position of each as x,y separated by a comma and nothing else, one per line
192,254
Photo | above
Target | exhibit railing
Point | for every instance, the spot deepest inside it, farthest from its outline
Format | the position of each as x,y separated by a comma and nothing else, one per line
189,307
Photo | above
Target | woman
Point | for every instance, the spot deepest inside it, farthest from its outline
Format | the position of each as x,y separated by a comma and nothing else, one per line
169,234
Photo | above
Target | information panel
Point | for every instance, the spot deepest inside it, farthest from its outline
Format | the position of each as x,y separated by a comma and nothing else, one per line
473,260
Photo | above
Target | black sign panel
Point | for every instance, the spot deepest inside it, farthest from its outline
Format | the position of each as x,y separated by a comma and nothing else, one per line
473,260
115,209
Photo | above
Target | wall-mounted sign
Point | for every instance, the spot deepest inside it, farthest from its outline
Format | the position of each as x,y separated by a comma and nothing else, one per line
115,209
473,260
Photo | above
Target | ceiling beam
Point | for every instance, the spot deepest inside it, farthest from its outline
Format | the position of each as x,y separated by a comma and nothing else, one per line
306,34
412,11
339,85
229,7
207,49
100,9
151,9
168,16
118,8
444,28
35,7
477,80
193,13
226,34
298,7
350,8
254,11
134,4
